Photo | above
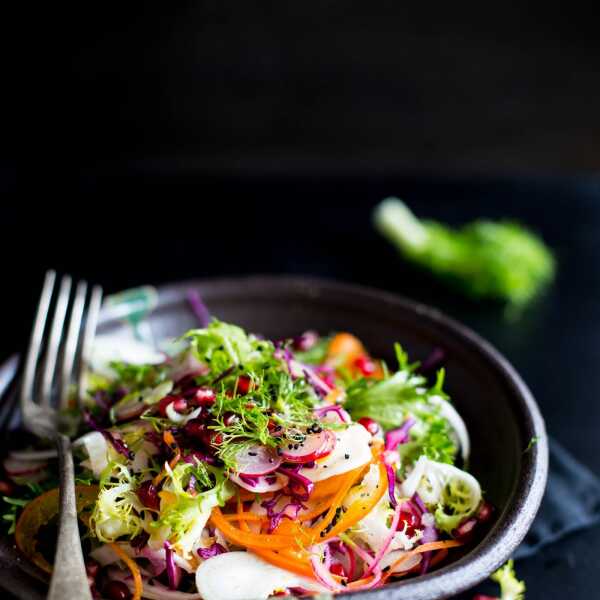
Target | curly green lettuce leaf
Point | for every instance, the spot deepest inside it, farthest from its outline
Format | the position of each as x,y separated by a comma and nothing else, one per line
118,511
404,395
223,345
459,501
510,587
498,260
187,503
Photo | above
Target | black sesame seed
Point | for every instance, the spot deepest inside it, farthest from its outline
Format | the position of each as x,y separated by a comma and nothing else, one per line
346,456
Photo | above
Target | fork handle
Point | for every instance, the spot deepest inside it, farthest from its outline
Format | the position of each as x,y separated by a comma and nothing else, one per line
69,579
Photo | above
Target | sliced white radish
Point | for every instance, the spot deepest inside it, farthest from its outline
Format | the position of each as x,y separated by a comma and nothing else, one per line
351,450
314,447
14,466
245,576
394,556
257,460
97,450
264,483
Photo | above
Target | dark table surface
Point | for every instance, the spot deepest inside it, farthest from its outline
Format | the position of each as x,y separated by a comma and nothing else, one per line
147,224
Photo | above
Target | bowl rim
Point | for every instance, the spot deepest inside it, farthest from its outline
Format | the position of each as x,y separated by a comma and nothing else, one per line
518,514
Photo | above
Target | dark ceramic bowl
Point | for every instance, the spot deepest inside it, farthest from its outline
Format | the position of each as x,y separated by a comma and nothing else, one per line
499,410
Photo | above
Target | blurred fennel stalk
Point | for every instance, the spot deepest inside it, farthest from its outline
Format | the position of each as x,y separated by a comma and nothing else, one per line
501,261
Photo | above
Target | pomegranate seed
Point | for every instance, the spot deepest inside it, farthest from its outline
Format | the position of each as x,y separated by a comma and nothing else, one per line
365,365
338,569
216,440
195,428
485,512
177,400
484,597
243,385
205,397
117,590
230,418
410,521
148,495
465,530
370,425
6,488
91,568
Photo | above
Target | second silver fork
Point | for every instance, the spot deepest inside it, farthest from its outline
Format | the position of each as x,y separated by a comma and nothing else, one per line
53,367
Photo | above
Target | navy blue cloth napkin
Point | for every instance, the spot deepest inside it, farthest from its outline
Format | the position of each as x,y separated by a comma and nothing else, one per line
571,502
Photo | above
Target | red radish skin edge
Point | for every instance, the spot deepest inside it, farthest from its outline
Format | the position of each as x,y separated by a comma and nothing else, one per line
315,446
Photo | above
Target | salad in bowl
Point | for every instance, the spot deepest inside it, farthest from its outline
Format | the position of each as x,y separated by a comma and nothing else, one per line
236,468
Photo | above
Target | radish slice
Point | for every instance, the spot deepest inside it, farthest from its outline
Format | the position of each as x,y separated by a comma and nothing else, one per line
351,451
14,466
257,460
243,575
315,446
263,484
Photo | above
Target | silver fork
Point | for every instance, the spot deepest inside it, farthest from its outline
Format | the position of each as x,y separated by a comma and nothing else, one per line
45,389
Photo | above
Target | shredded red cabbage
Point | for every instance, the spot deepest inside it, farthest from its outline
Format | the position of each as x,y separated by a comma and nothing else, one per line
173,571
301,487
197,456
419,503
430,534
398,436
317,383
214,550
289,511
198,308
336,408
391,477
118,445
140,540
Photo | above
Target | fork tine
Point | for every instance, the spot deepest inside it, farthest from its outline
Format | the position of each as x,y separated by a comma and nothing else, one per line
36,340
88,335
56,331
71,341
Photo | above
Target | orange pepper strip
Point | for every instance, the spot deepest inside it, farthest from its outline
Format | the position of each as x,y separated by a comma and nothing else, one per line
443,545
251,540
39,512
362,507
346,484
286,559
440,555
132,566
327,487
245,516
169,441
289,563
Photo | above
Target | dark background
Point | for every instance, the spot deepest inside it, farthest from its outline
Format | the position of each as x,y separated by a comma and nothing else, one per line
197,139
